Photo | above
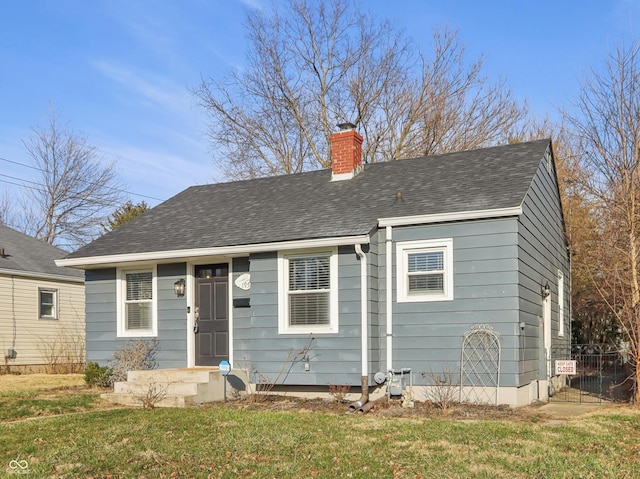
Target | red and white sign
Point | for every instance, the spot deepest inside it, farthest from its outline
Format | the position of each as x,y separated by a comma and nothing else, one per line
566,367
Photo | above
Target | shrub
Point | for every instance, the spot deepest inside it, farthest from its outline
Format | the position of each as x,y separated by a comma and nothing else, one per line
135,355
98,376
63,353
339,392
443,388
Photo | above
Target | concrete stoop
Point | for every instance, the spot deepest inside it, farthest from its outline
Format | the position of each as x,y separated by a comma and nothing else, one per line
176,387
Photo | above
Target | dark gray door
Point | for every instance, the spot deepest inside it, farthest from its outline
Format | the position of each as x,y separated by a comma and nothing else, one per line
212,336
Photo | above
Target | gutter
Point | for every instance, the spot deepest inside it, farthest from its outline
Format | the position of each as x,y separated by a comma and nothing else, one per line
389,294
193,253
364,298
41,276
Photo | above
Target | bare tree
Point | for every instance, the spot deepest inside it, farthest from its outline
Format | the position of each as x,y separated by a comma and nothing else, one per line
606,120
75,189
6,209
313,64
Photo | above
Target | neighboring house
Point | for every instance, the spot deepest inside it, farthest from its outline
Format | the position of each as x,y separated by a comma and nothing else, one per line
376,267
41,305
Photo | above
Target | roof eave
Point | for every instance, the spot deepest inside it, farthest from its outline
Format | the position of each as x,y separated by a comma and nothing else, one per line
41,276
448,217
235,250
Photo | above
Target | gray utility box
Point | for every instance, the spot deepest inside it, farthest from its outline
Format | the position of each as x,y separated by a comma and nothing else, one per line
397,381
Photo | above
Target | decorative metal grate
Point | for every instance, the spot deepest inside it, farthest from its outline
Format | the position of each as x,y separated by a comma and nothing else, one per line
480,365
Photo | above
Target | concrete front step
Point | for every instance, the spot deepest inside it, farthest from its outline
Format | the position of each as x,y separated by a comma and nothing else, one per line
176,387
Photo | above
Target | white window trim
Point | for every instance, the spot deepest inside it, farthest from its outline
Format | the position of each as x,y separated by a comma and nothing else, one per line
122,332
402,254
283,288
560,303
54,316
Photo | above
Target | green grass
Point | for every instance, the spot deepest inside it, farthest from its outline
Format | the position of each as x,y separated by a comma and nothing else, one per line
15,407
225,442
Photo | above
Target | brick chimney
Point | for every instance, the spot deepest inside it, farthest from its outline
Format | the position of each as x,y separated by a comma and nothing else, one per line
346,152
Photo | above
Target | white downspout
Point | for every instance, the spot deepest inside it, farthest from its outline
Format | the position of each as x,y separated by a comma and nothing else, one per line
364,296
364,310
389,294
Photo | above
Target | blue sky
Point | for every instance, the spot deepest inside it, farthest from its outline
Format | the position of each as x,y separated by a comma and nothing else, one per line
120,70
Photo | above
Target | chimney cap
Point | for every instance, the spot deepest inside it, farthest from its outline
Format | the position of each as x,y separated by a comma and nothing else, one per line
346,126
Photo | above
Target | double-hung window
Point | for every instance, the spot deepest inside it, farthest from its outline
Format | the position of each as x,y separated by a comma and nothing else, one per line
136,302
308,292
425,270
47,303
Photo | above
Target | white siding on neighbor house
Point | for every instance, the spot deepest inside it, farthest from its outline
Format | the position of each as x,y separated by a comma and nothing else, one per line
20,327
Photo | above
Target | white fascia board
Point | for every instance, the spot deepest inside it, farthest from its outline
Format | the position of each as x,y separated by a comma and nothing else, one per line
446,217
237,250
44,276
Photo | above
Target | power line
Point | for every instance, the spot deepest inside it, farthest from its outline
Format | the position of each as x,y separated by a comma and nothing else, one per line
48,172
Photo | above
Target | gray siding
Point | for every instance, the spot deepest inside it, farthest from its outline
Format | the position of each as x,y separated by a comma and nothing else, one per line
499,266
541,253
101,325
334,358
428,336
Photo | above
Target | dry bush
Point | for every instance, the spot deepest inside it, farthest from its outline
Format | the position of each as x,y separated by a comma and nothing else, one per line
264,385
339,391
443,388
135,355
151,393
64,353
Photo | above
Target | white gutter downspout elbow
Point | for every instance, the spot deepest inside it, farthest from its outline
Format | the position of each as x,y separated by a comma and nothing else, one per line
364,298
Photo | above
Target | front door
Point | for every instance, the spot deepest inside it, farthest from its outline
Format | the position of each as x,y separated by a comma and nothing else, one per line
212,314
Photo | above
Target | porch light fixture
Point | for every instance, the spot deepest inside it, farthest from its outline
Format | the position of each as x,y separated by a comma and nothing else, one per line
546,291
178,287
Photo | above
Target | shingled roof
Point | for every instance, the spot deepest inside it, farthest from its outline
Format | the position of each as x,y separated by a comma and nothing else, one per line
24,255
310,205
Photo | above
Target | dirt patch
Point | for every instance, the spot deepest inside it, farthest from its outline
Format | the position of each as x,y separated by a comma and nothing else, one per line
394,408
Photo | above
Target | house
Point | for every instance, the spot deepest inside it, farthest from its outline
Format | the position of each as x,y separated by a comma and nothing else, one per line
329,277
41,307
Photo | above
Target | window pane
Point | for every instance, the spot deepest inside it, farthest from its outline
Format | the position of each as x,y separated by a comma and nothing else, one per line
138,316
47,304
426,261
139,286
309,308
46,297
426,283
311,273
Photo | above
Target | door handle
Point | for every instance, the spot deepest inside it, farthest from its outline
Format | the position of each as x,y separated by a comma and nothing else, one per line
196,327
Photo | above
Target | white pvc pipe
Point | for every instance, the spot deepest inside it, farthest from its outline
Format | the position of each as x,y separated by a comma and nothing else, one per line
389,295
364,310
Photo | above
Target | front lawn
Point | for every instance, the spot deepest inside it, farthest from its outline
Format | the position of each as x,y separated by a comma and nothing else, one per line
224,441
